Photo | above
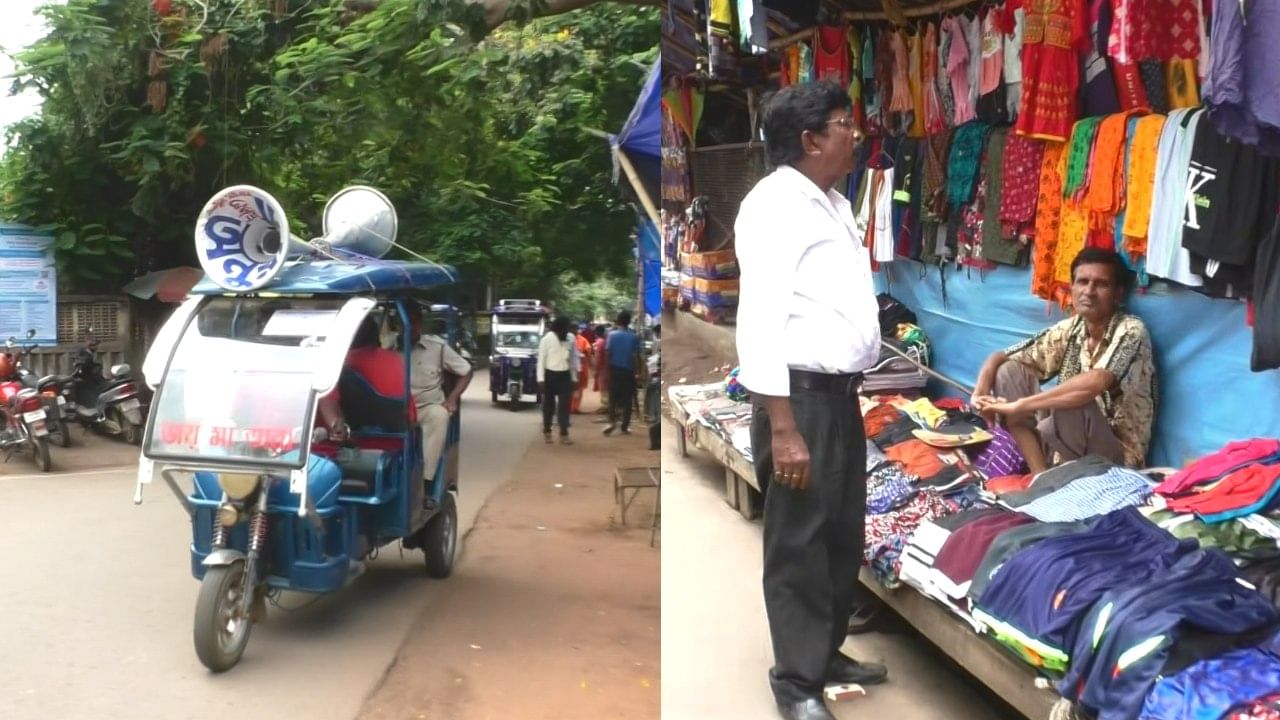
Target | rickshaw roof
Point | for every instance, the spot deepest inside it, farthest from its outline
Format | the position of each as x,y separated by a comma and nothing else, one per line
331,277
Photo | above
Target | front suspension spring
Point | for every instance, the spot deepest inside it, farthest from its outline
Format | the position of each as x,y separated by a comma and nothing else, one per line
219,534
257,531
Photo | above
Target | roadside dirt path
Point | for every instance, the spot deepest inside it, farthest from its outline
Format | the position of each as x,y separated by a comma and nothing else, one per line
554,609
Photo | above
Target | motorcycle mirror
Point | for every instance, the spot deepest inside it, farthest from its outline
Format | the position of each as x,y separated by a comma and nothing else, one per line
31,333
10,342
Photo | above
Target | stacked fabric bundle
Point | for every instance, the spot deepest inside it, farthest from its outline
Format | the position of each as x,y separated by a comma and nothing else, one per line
1083,572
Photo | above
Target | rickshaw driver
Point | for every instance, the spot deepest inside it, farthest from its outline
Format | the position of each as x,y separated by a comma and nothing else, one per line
431,358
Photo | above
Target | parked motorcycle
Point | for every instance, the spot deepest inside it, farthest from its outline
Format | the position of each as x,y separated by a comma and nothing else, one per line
53,389
22,419
114,404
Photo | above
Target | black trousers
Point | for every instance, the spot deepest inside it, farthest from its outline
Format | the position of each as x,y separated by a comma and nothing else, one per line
556,393
622,394
813,539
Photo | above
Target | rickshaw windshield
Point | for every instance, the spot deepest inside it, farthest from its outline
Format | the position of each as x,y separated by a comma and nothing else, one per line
517,338
239,385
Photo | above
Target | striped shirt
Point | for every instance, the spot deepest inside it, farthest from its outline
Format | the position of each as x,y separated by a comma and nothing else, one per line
1091,496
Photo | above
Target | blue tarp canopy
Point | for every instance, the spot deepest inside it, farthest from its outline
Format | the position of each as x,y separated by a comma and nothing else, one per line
647,240
641,140
642,133
1207,394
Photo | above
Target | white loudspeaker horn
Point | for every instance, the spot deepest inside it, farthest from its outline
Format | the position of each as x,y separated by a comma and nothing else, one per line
243,239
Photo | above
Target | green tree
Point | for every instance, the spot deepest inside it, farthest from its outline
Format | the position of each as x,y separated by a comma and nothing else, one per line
477,134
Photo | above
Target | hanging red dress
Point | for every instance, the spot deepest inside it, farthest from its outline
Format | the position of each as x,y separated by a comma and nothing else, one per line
1052,37
831,57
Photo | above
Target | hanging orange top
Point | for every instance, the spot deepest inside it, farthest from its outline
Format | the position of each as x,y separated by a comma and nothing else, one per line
1048,217
1140,190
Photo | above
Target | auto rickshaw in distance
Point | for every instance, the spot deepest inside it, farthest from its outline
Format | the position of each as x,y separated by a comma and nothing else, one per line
516,327
240,370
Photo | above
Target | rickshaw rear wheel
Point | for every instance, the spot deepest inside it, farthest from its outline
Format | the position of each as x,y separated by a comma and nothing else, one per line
221,632
439,538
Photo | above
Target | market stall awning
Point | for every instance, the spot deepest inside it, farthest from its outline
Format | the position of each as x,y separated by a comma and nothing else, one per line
172,285
638,145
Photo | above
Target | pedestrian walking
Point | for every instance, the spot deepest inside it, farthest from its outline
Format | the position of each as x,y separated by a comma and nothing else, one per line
623,350
557,375
584,368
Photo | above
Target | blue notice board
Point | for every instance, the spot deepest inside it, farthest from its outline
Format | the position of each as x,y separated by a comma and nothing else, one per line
28,284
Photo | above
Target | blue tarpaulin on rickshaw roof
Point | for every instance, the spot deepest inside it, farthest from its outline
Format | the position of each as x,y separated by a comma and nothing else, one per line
647,241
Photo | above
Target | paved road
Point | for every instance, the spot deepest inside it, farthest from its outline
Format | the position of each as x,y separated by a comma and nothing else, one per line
97,597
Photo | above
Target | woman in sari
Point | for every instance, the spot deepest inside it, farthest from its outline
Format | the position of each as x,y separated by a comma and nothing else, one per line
584,355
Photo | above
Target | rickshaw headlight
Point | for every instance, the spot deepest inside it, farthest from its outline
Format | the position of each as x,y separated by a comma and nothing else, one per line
228,516
515,362
237,486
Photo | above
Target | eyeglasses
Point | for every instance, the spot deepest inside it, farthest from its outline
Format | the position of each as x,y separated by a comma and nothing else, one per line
847,123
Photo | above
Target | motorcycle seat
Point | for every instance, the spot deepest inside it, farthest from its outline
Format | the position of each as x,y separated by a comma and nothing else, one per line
53,380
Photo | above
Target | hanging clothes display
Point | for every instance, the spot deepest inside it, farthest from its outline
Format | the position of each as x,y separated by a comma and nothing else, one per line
915,81
1054,32
831,59
1244,71
1140,180
958,60
1166,258
1048,219
934,121
1020,184
999,245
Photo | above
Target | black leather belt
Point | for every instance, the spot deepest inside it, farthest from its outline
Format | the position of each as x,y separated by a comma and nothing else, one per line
836,384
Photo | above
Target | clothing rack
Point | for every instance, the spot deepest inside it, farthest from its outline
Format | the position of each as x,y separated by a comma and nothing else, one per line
936,8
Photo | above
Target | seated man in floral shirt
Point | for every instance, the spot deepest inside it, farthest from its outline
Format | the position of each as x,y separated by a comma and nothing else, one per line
1105,399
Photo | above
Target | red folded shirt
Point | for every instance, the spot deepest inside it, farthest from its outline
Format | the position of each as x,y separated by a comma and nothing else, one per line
1240,489
1211,467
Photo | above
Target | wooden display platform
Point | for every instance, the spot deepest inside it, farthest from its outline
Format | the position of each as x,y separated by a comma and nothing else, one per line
1008,678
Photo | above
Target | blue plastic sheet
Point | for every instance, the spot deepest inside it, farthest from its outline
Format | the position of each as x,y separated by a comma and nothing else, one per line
647,242
1207,394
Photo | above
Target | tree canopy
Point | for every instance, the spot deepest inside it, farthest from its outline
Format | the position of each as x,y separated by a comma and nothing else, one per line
480,136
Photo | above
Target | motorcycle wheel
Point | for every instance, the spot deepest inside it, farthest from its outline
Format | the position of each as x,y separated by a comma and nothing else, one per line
439,539
129,432
62,434
221,633
40,451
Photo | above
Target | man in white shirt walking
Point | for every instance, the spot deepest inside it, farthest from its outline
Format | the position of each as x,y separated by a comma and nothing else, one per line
808,325
558,361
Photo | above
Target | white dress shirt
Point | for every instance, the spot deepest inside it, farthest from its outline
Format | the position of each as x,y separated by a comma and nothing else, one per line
806,298
557,355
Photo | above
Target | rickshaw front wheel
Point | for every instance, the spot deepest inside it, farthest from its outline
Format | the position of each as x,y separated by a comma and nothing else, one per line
221,629
439,538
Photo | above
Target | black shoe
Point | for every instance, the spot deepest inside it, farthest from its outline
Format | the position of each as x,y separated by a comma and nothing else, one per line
626,431
608,430
811,709
845,670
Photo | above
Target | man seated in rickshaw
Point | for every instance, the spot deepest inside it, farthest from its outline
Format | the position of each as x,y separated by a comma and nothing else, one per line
432,359
383,369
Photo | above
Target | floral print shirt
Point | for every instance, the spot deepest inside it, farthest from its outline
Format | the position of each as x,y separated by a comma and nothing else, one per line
1062,351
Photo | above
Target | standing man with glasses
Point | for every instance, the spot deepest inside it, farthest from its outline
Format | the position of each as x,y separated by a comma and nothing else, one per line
808,325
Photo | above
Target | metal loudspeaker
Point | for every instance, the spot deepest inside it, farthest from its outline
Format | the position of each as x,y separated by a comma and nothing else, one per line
243,239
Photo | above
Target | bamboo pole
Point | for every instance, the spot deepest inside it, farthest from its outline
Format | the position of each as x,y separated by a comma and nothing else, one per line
650,209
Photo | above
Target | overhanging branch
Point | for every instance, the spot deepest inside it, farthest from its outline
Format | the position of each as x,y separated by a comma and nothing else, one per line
496,11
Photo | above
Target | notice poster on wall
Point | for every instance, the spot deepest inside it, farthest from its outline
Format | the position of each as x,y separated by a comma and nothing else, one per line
28,285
